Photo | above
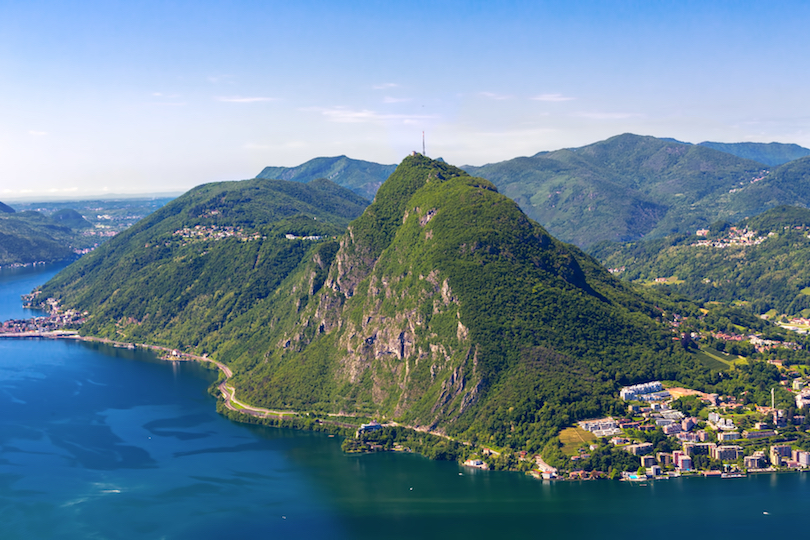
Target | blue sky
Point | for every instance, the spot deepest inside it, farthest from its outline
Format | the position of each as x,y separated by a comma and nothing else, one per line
138,96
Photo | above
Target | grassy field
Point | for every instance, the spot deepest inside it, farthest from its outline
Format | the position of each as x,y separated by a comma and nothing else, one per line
574,438
714,359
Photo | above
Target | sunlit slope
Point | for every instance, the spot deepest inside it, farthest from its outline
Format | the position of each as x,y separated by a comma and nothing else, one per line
445,306
770,270
625,187
186,270
362,177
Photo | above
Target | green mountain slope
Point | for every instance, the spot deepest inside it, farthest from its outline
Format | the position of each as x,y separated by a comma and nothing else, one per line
192,266
762,263
771,154
624,188
71,218
443,305
28,237
446,307
362,177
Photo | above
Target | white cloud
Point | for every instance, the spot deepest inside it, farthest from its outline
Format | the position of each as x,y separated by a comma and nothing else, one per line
497,97
240,99
384,86
36,133
554,98
389,99
349,116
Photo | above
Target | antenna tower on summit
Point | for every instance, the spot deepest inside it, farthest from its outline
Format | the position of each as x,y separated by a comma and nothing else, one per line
423,144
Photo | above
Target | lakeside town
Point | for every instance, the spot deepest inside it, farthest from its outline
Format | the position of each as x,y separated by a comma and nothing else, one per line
709,443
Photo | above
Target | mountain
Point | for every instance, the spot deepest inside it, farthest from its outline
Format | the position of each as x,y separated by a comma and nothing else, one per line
362,177
762,263
443,305
71,218
771,154
5,209
624,188
198,262
28,237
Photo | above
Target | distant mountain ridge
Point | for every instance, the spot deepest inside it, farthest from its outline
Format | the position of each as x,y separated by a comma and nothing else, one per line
624,188
29,237
772,154
362,177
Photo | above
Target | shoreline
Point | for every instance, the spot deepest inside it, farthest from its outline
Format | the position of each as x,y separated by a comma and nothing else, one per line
230,402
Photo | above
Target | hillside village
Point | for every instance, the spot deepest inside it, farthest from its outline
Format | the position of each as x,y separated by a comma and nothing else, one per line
733,237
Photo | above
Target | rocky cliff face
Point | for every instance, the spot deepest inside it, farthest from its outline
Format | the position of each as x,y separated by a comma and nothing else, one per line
445,307
391,328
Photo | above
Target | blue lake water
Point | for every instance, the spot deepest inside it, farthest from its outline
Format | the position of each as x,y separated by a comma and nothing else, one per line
97,442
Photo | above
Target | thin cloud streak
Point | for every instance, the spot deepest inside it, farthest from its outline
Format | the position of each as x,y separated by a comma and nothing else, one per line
384,86
350,116
389,99
552,98
496,97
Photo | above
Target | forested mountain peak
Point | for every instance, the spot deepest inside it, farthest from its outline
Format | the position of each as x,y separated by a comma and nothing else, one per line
443,305
362,177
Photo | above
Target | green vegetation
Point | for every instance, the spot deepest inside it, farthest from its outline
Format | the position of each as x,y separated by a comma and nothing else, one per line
625,188
446,306
575,438
28,237
190,269
362,177
771,275
442,306
628,187
771,154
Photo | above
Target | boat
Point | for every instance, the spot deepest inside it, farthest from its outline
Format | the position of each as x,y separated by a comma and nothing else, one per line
733,475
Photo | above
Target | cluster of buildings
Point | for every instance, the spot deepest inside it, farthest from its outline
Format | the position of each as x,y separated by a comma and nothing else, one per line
761,345
214,232
699,442
651,391
51,323
604,427
103,232
735,237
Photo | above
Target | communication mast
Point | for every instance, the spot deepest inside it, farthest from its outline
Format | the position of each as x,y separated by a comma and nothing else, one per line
423,144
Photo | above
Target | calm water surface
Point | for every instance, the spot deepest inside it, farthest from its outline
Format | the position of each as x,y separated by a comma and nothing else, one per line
97,442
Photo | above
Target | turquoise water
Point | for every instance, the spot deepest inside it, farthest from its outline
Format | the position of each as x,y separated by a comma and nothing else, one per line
97,442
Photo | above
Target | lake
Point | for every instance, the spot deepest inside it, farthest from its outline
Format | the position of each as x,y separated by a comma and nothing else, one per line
98,442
